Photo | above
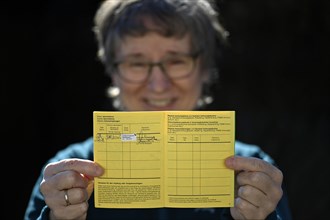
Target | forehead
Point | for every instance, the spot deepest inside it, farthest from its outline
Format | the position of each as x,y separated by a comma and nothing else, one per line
153,43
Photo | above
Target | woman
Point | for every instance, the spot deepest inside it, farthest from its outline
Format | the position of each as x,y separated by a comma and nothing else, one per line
160,55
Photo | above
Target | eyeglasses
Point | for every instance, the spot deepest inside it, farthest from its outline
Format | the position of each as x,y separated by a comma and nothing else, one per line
138,70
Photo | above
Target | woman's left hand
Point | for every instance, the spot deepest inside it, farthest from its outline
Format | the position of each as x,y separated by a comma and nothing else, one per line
258,187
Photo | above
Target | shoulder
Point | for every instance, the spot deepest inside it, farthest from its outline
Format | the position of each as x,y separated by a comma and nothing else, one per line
82,150
250,150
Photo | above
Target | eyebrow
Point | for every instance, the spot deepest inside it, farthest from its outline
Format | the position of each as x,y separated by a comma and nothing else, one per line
141,55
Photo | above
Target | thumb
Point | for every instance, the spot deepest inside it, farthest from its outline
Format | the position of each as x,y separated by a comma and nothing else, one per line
90,188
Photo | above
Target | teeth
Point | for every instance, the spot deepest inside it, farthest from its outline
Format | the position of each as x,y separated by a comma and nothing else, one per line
159,103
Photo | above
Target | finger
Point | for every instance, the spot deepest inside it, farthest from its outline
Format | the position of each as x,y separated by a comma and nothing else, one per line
251,194
86,167
74,196
243,209
256,179
78,211
259,189
254,164
52,187
77,190
66,180
90,188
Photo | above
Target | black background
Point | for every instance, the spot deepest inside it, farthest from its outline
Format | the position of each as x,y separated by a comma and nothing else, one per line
276,78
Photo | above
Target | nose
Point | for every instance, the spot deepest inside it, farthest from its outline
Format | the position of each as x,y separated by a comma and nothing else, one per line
158,80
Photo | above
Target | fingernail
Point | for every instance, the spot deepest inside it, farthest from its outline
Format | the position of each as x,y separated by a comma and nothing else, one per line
99,170
229,162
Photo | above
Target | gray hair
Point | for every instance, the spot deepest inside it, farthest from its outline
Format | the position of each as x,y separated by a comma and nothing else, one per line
116,19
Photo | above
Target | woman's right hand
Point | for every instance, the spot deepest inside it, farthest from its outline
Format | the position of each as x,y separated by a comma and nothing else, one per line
67,185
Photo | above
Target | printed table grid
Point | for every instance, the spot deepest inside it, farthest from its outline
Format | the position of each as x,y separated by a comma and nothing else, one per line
131,159
193,165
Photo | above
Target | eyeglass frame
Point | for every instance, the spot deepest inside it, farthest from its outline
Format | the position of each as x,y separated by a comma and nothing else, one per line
194,56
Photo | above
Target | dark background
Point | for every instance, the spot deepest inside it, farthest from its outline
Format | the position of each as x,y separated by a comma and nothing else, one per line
276,78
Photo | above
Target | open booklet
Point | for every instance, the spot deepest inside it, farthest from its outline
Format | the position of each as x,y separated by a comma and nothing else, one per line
164,159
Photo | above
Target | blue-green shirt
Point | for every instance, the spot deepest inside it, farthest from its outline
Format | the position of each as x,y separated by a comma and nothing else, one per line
38,210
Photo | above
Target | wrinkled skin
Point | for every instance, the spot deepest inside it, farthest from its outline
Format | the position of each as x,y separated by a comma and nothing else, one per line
257,192
74,175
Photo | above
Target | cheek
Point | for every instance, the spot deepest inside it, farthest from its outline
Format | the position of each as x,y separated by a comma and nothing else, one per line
191,90
128,91
195,85
128,96
124,88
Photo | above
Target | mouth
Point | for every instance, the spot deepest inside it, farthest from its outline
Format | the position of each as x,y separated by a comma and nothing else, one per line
160,103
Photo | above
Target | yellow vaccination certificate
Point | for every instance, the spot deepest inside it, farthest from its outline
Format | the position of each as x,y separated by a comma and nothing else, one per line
164,159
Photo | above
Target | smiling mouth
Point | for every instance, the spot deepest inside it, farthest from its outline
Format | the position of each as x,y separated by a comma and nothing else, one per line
160,103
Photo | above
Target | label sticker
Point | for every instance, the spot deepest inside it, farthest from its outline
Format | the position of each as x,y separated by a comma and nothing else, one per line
128,137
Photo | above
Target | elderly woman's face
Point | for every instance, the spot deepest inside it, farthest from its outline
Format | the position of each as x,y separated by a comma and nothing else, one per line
158,92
